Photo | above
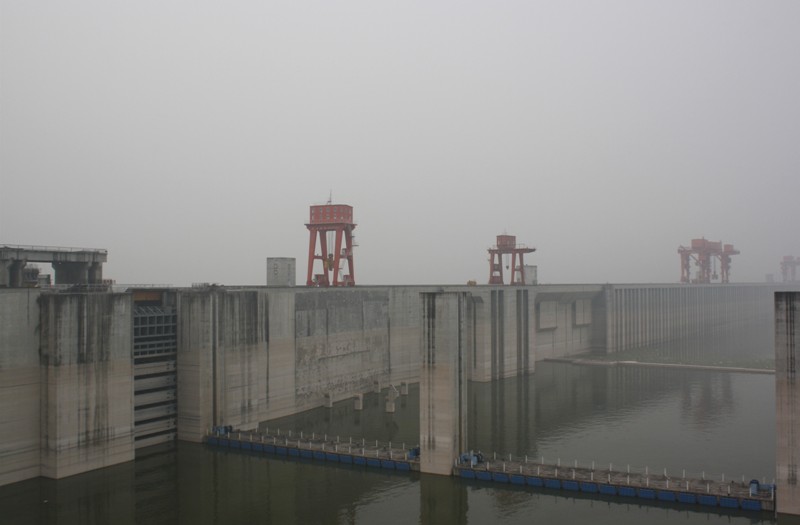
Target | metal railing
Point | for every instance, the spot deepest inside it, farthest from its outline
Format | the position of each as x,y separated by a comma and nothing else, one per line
62,249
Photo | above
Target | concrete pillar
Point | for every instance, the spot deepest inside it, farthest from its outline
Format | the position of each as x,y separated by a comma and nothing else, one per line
359,402
787,399
95,273
16,279
446,334
86,404
5,276
20,379
71,272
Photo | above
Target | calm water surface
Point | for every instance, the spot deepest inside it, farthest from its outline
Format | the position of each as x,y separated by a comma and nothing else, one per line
656,418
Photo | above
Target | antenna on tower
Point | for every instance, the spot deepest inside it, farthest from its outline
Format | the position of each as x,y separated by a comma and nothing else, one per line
330,197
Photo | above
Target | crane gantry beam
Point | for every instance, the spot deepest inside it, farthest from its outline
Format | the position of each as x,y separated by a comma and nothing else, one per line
704,254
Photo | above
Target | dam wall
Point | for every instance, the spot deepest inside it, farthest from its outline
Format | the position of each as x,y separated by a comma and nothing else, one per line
570,320
19,385
639,316
249,355
67,383
787,400
86,395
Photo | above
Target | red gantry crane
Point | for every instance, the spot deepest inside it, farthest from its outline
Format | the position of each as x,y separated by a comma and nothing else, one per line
507,245
329,222
705,255
789,266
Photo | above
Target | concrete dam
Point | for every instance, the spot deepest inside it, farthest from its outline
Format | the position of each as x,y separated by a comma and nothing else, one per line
90,376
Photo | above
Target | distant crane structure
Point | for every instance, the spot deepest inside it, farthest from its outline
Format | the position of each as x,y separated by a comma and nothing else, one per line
507,245
789,266
331,224
705,255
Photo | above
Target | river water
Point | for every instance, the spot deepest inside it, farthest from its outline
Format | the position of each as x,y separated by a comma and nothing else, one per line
707,423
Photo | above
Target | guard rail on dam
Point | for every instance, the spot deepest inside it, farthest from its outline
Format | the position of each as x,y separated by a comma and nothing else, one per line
704,493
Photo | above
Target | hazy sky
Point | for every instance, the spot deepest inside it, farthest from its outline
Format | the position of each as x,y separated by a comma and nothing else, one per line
190,137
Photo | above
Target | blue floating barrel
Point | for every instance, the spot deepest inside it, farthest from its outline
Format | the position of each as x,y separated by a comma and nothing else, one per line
402,465
294,452
534,481
608,490
500,477
646,493
517,479
707,500
332,456
258,447
306,454
483,475
373,462
269,449
319,455
588,486
666,495
628,492
728,503
751,504
212,441
467,473
224,442
345,458
246,445
360,460
687,497
569,484
387,464
281,451
552,483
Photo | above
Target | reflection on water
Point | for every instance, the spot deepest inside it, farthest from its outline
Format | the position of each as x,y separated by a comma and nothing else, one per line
662,418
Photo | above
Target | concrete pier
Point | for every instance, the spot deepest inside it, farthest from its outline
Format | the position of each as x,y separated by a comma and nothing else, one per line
86,382
787,393
446,334
67,383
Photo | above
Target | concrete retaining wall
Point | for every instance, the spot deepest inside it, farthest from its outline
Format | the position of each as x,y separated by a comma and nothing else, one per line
86,400
640,316
253,354
787,394
250,355
19,385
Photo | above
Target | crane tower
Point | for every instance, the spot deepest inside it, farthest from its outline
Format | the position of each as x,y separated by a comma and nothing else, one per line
507,245
705,254
331,224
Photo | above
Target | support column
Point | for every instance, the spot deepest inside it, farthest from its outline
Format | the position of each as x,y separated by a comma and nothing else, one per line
446,336
5,273
95,273
787,399
16,277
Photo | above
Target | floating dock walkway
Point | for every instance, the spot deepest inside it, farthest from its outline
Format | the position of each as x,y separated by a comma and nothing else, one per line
319,447
647,486
729,494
